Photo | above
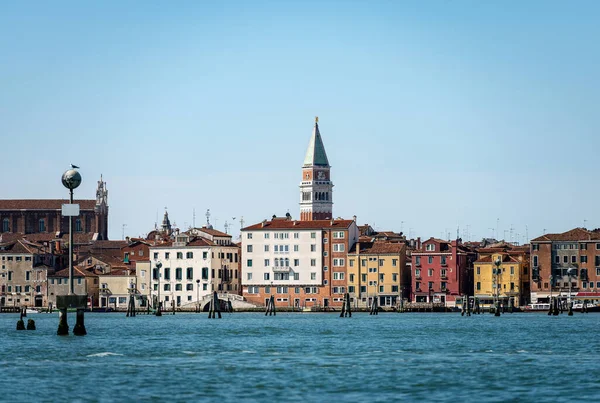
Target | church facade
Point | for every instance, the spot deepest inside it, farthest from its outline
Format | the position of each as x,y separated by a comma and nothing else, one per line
43,216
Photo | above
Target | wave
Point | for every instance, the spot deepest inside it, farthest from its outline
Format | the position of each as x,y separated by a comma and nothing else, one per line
104,354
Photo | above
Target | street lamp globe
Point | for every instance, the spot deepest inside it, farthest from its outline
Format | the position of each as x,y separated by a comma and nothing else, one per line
71,179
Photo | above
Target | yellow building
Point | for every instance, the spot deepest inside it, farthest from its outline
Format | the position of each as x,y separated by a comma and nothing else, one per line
513,275
377,269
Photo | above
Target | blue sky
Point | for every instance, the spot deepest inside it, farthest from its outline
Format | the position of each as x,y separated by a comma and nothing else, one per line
434,114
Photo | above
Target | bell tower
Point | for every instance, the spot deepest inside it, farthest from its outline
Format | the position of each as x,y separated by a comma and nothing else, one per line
316,189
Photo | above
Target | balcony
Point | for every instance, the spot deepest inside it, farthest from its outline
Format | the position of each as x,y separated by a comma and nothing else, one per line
444,277
281,269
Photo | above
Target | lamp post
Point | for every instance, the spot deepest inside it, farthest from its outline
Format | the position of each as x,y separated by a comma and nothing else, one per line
158,266
71,179
497,262
570,272
198,294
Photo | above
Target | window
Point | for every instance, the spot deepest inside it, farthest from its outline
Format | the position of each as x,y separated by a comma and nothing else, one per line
417,273
41,225
296,262
339,235
573,259
478,286
418,260
313,262
249,248
249,276
338,262
313,276
78,225
535,247
598,246
188,255
167,254
443,272
443,259
394,262
267,290
338,275
189,273
583,259
266,235
167,273
380,262
535,261
313,235
325,268
178,287
325,240
249,235
266,276
27,275
512,270
249,262
5,225
178,273
339,247
565,259
430,284
583,246
313,248
167,287
430,247
430,272
557,259
296,276
430,259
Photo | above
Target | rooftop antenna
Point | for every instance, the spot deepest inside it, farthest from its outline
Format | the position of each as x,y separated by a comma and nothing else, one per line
511,232
491,229
544,231
526,234
497,227
241,222
123,232
194,218
156,222
401,225
585,224
226,225
207,217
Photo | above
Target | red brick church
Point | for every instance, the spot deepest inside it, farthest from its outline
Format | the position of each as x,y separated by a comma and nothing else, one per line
41,219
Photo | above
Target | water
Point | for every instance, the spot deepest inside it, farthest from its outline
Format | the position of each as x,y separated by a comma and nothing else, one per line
304,357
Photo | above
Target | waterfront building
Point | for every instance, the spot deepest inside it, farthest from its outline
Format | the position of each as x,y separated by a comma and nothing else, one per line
85,282
115,288
192,267
25,267
377,269
442,271
512,279
552,255
42,219
300,263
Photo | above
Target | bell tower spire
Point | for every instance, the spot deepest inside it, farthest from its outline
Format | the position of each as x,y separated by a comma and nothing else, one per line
316,189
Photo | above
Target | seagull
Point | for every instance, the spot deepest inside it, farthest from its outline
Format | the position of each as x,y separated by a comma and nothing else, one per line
74,166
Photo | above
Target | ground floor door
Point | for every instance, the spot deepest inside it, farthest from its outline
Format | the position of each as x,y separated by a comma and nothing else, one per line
178,300
326,302
38,301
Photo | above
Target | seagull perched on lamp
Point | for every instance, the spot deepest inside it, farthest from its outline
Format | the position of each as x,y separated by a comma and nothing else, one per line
74,166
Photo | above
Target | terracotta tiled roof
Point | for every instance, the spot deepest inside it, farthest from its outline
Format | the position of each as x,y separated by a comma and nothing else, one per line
18,247
120,272
576,234
213,232
43,204
78,238
291,224
378,247
201,242
77,272
109,244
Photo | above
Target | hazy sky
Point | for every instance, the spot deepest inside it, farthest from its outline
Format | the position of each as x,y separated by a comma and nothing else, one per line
434,114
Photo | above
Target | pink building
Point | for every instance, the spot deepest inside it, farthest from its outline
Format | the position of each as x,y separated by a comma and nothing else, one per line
442,271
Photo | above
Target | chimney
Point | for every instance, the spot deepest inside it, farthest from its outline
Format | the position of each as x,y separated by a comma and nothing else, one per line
354,218
332,221
295,222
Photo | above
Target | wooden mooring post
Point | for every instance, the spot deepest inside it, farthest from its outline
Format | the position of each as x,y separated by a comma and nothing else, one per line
131,306
215,307
374,308
270,309
346,309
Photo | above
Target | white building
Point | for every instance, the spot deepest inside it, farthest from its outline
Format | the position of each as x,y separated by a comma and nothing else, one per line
191,268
